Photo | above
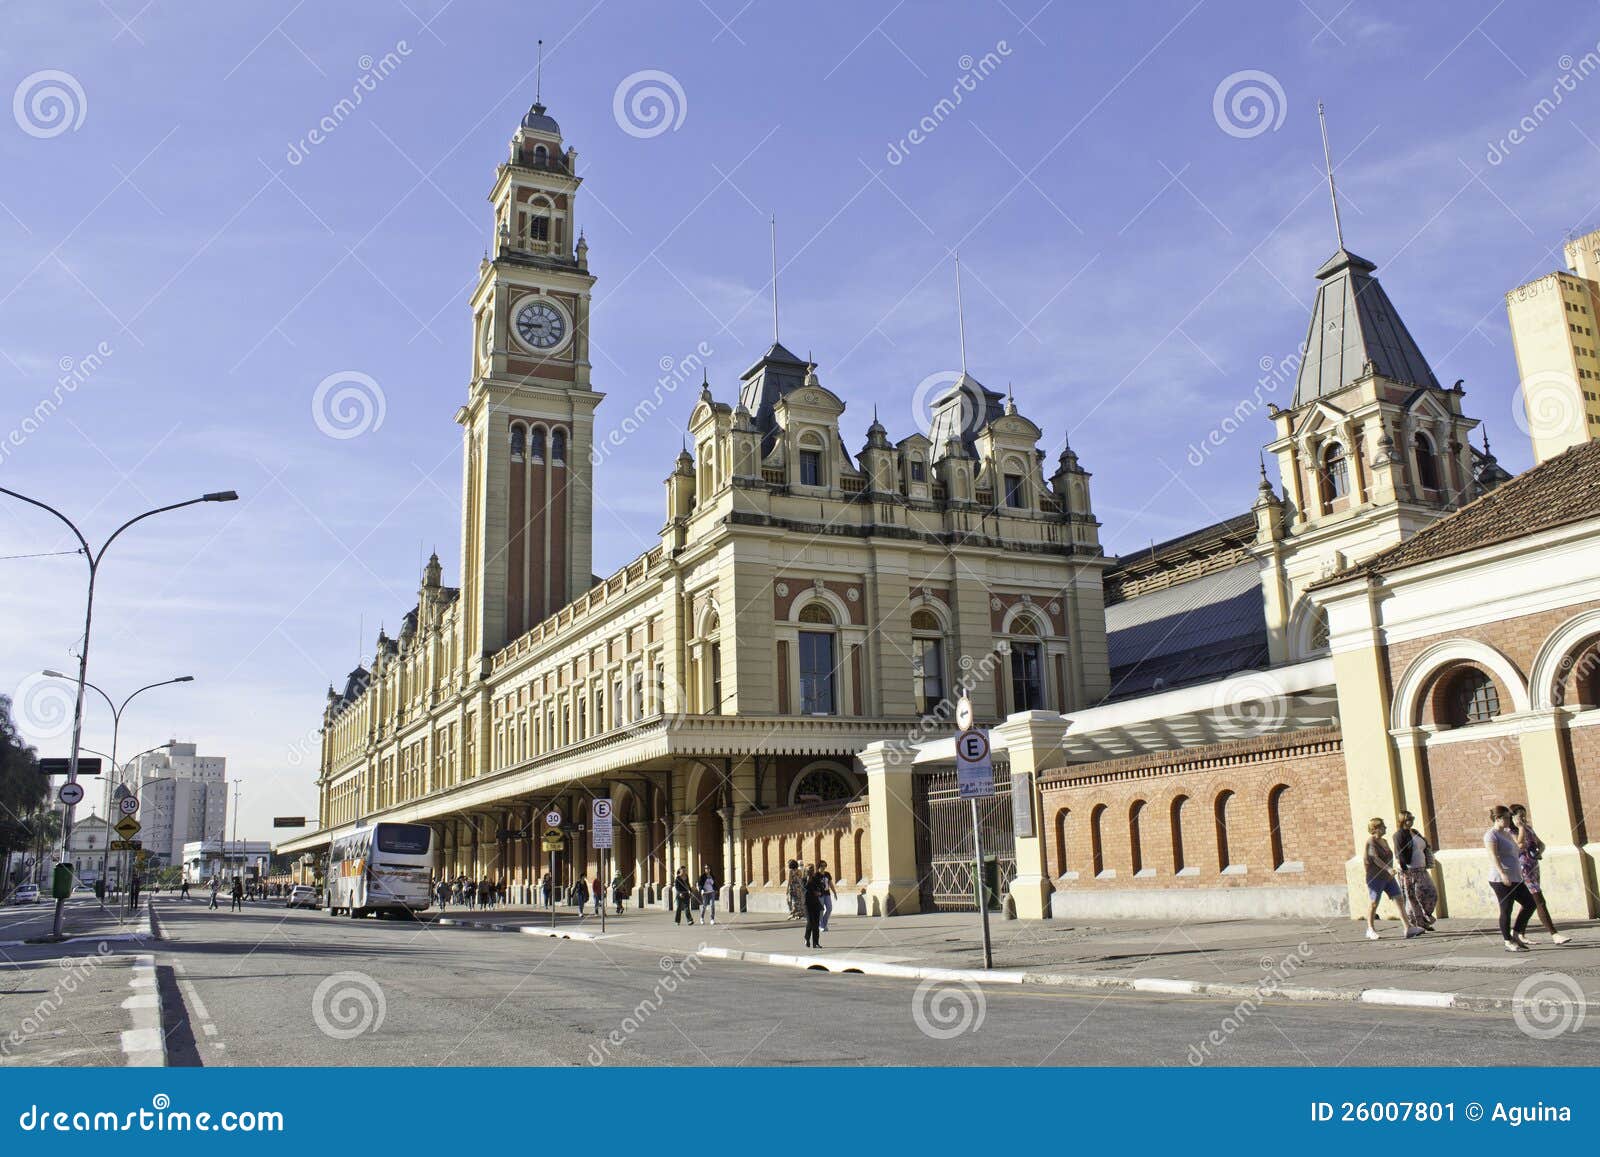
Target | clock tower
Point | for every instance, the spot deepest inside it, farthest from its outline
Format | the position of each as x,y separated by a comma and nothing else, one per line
527,494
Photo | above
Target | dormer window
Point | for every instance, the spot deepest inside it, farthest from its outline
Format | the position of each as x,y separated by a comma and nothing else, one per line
919,470
1014,494
811,467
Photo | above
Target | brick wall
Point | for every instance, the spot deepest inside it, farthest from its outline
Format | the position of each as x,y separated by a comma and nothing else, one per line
836,832
1464,781
1301,773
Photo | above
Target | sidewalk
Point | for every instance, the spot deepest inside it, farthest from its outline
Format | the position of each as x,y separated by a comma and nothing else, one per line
1461,965
84,919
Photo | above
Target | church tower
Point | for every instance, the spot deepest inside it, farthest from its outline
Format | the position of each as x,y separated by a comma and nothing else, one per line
527,494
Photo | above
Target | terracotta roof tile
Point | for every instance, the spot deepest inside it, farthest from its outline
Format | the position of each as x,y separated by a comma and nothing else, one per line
1563,490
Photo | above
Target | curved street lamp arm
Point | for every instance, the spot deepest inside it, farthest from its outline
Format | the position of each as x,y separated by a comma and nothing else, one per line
138,518
83,542
119,710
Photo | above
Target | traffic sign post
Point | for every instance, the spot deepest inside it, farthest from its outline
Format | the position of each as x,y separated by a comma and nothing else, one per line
128,805
553,843
975,780
71,794
601,840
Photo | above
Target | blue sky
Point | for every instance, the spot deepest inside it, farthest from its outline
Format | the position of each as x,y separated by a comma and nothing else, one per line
1135,247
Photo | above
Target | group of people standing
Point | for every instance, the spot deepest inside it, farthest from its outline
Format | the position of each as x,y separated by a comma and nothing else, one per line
1403,872
811,897
467,893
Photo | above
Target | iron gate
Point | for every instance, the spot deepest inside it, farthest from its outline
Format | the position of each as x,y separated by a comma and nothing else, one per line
944,842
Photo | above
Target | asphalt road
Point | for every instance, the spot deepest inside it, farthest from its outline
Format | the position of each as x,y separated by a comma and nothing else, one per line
274,987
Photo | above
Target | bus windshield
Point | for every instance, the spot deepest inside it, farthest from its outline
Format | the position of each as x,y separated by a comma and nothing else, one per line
404,839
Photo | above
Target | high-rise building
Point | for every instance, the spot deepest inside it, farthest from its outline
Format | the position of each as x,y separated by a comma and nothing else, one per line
183,796
1553,322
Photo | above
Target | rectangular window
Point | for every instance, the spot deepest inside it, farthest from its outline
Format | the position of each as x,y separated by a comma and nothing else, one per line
715,706
816,673
919,470
810,468
539,228
1014,490
927,673
1027,679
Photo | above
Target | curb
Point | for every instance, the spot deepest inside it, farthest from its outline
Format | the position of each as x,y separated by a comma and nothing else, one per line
1385,997
145,1045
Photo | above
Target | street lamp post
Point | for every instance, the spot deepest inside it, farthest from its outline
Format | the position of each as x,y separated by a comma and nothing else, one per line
93,558
116,725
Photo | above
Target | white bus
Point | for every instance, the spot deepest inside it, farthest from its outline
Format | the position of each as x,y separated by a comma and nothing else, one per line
381,868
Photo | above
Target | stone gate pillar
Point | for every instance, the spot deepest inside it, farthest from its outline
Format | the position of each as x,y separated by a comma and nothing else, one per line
1033,743
891,802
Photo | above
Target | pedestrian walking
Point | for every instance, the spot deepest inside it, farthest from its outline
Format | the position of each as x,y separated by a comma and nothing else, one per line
444,894
618,892
1414,857
238,896
1530,850
797,906
580,896
547,890
216,886
812,886
1505,877
708,895
597,893
183,890
828,894
1381,880
683,898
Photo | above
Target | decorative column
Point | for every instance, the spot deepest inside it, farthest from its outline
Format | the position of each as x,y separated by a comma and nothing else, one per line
641,843
1565,869
1033,743
891,784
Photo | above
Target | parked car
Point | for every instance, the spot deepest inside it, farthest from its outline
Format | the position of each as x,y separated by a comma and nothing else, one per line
302,896
26,894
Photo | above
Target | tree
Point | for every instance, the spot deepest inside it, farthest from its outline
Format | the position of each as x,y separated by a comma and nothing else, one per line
23,791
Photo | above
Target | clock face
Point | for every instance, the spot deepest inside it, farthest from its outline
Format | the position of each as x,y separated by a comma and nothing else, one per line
541,325
488,337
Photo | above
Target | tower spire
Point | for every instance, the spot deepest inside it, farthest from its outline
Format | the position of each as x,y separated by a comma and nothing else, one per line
1327,160
961,315
773,223
538,76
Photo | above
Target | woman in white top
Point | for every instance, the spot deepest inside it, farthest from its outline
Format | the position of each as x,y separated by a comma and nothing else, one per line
1505,877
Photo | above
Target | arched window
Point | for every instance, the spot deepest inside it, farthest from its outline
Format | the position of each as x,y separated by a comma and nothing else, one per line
822,785
818,662
1427,464
558,446
519,438
541,155
1135,850
1275,822
536,446
1333,474
1097,851
1178,865
1319,629
1582,673
1015,484
1470,697
1062,863
927,660
1027,666
1224,852
810,463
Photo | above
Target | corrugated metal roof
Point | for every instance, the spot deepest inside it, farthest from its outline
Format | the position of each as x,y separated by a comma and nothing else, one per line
1202,629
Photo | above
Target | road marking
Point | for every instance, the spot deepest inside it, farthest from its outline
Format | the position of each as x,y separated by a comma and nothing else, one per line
144,1044
197,1007
1408,998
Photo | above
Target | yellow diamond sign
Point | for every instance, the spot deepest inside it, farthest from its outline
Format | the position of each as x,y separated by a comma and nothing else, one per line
127,827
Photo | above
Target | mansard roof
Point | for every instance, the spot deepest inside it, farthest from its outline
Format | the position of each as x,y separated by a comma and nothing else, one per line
962,412
1354,327
776,373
